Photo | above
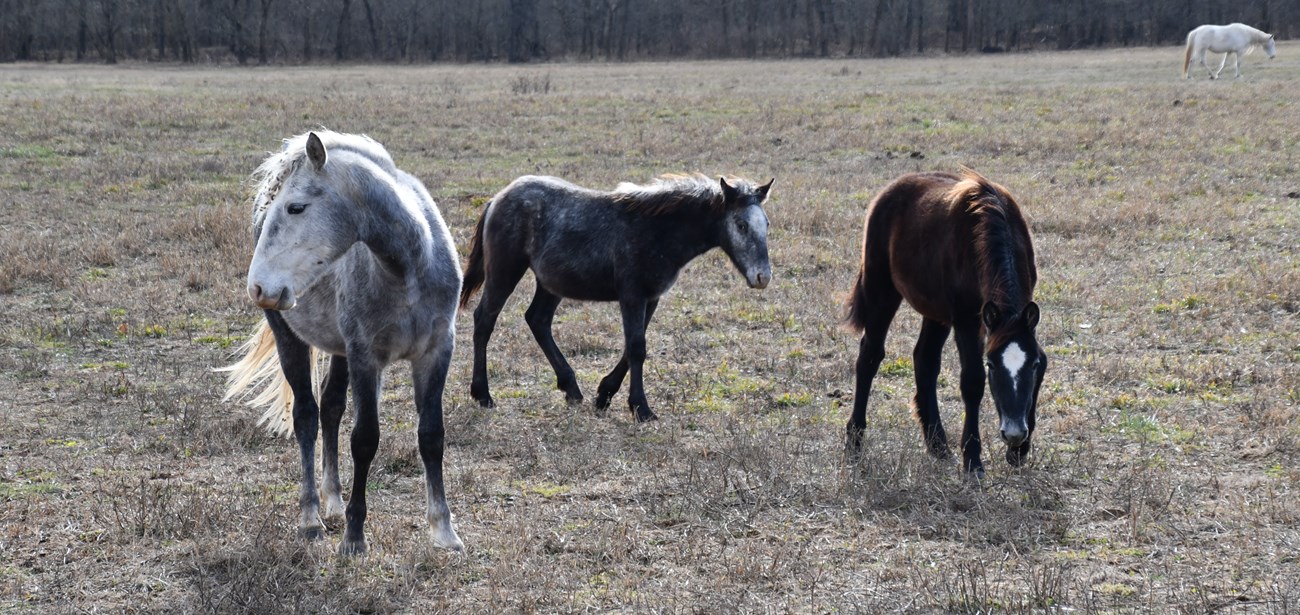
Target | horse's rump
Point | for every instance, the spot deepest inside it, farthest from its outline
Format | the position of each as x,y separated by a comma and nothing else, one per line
965,222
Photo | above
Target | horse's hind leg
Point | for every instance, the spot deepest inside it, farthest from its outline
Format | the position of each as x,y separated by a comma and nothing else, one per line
540,315
365,377
1224,62
295,363
879,312
334,399
501,281
610,384
430,376
969,349
925,363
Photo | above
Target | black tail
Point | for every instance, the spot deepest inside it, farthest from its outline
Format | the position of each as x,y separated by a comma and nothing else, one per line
854,316
475,271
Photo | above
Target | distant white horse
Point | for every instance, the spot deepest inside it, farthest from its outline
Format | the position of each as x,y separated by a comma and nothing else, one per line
1233,38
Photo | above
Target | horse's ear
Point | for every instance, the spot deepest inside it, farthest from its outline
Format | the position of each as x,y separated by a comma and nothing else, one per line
1030,315
991,315
315,151
764,190
728,193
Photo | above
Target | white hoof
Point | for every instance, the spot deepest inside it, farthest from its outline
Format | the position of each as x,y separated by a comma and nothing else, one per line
446,538
444,534
335,510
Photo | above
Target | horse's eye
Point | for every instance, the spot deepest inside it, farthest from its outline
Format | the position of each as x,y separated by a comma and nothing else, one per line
742,226
296,208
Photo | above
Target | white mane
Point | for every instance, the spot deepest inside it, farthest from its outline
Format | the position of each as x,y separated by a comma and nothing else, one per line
695,184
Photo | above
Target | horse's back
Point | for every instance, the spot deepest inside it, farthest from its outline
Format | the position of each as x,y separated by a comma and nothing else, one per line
919,240
908,207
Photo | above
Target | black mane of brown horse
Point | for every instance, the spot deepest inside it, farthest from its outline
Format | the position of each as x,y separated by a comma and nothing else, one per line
958,250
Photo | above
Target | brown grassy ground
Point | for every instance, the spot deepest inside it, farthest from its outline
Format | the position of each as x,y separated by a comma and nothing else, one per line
1164,477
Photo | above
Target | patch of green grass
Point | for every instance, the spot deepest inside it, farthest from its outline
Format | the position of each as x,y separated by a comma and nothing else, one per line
219,341
543,488
896,368
28,152
794,400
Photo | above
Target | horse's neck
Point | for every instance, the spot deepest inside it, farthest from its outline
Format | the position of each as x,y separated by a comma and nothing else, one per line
687,233
1000,265
1251,35
400,240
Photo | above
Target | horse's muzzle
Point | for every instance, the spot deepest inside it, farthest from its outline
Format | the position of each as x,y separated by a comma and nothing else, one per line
1014,435
759,280
283,300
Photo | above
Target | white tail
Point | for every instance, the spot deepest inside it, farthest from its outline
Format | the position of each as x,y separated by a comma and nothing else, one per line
261,367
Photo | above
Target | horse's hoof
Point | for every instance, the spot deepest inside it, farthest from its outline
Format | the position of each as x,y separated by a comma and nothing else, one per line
939,451
334,509
447,539
602,401
573,399
975,477
312,534
485,401
644,415
352,548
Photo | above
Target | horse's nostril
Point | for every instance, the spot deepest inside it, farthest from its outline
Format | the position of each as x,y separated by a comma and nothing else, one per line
257,292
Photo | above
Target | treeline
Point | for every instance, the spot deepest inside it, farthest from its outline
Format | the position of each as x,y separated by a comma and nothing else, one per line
298,31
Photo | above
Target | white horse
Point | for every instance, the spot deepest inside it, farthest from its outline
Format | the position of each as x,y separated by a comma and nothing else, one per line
1233,38
352,260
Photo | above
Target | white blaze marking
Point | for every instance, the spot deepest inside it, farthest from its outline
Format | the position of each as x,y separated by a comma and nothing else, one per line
1013,358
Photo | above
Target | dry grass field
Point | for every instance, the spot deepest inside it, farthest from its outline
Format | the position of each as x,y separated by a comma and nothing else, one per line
1164,476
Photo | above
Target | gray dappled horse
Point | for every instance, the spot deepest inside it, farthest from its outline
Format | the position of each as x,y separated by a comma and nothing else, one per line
352,260
626,246
957,249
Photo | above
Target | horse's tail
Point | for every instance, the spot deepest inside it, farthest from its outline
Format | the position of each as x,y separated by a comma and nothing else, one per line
475,268
1187,56
260,367
855,317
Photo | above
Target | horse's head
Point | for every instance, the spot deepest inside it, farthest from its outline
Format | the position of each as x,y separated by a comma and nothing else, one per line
744,230
303,229
1270,47
1016,364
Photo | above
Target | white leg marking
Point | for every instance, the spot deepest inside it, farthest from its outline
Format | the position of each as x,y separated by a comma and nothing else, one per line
1013,358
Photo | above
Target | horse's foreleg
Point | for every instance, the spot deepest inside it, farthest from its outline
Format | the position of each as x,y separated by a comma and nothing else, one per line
430,376
334,399
925,363
295,362
1236,64
970,351
610,384
871,351
365,376
539,316
634,320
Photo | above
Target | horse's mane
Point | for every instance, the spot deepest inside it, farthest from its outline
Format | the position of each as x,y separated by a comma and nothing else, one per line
996,215
672,192
269,177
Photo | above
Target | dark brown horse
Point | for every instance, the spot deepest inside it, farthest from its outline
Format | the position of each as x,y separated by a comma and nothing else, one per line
958,250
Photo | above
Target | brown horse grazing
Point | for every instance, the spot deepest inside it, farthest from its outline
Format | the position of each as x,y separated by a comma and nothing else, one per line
958,250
